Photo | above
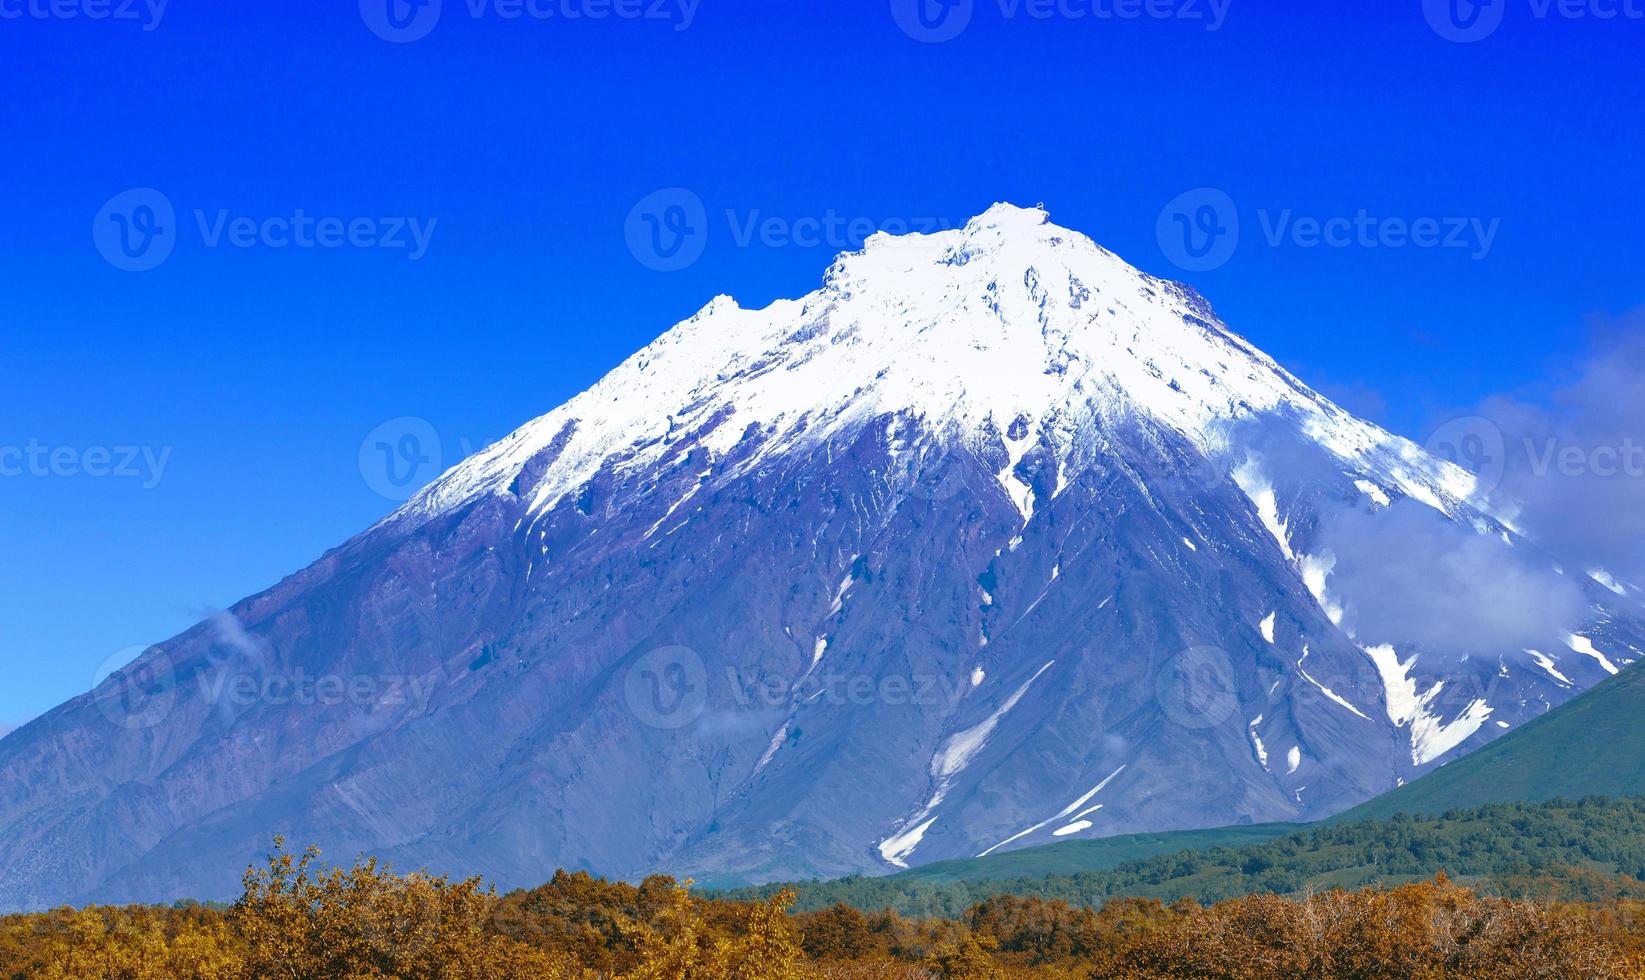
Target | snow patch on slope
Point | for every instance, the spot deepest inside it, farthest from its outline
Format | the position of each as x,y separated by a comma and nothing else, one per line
1547,664
1378,496
771,750
1330,694
1256,741
955,754
1257,488
1431,737
961,748
895,850
1316,570
1062,814
1583,645
1605,578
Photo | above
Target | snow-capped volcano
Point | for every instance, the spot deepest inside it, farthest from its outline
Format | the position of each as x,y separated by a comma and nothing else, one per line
1008,322
990,541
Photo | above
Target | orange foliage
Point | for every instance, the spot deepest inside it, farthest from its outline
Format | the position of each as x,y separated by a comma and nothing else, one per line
297,922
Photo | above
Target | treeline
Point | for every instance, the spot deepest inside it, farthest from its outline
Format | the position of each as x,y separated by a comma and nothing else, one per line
1587,850
297,922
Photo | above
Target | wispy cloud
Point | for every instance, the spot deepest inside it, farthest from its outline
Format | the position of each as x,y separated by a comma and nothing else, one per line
1414,578
1575,457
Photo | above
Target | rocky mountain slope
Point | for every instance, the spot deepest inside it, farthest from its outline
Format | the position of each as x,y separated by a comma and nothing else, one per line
990,541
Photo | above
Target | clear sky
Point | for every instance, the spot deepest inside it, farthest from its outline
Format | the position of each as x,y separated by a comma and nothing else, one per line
516,138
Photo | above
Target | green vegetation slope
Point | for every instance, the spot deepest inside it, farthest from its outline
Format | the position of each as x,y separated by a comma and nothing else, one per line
1591,745
1590,849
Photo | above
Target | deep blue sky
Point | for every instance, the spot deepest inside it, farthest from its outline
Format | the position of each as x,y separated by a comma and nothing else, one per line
528,141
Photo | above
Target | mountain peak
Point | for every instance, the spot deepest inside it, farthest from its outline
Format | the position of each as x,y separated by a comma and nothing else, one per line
1004,230
1007,215
1008,322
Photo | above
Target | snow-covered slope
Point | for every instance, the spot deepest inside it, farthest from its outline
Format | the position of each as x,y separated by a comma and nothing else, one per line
992,540
1009,321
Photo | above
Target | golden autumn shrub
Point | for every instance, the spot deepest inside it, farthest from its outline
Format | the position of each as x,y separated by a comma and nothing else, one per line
367,923
296,921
